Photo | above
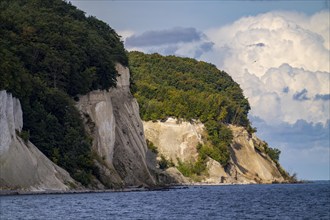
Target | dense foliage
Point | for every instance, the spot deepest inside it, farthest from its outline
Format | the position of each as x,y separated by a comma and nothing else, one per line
51,52
192,169
187,89
273,153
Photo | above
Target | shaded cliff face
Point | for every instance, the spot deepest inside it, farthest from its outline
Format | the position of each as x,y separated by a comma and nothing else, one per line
247,164
113,121
22,165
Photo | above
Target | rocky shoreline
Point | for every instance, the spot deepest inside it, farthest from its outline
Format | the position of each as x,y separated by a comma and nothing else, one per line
130,189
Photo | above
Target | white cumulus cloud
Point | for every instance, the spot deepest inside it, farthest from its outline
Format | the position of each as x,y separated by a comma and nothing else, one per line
281,61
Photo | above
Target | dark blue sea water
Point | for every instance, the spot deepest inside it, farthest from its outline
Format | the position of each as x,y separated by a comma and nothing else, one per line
288,201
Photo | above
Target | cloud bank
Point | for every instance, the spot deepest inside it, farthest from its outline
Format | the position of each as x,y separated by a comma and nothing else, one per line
304,146
163,37
178,41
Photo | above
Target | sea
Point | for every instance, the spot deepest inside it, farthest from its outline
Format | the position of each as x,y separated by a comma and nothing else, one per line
276,201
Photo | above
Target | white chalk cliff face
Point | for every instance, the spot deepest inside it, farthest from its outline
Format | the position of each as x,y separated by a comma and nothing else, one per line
22,165
173,139
247,164
112,118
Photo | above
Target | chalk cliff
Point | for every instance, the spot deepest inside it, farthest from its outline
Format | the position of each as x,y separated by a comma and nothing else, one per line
119,142
22,165
112,118
247,165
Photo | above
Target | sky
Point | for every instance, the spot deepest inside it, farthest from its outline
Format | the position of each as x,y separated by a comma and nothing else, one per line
278,51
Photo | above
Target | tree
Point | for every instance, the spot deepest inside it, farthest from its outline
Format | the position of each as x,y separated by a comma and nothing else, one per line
273,153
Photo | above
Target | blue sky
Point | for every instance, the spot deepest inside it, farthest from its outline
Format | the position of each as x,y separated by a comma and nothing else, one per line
278,51
141,16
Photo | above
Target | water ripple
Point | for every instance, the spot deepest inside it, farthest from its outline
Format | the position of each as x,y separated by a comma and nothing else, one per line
299,201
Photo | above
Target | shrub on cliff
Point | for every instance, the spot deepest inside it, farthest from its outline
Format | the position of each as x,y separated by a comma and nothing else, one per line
193,169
